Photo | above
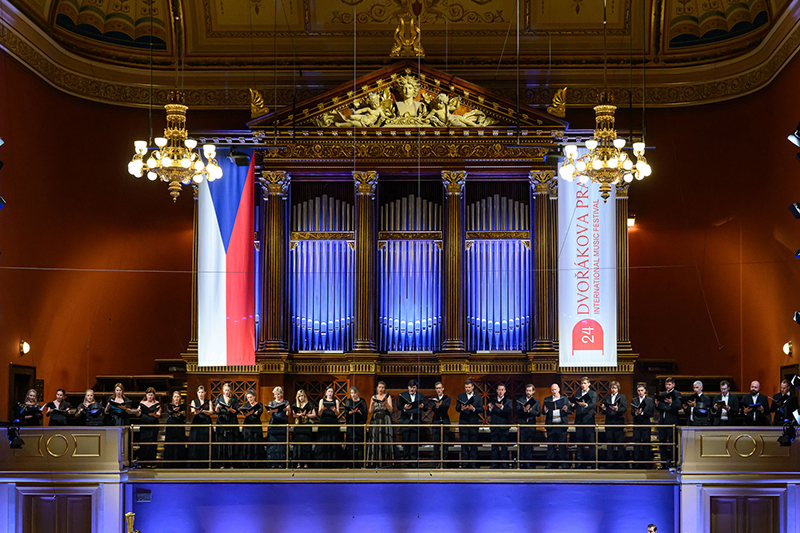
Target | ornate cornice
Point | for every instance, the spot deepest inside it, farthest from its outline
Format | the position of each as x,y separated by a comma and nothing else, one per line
696,76
454,181
366,181
275,182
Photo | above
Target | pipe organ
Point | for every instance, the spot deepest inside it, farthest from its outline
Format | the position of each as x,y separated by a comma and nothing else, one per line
321,265
409,247
410,275
498,270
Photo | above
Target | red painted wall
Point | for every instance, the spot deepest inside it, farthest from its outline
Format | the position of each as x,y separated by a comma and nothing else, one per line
714,283
95,264
94,270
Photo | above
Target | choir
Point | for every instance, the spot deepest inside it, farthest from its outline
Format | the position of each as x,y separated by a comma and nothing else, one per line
316,435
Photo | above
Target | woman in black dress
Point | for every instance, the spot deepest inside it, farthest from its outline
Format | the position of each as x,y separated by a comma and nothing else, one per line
327,449
227,430
304,414
90,412
200,434
118,408
29,413
276,451
355,411
58,409
252,431
175,434
149,413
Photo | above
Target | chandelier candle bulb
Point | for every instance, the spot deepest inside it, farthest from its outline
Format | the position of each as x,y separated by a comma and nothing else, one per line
619,144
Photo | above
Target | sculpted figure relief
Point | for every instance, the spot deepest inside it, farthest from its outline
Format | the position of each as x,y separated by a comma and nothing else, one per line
407,106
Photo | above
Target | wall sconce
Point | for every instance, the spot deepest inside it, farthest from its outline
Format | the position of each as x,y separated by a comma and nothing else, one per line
24,347
631,220
787,348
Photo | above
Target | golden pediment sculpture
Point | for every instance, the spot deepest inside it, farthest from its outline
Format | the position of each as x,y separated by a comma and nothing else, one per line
404,103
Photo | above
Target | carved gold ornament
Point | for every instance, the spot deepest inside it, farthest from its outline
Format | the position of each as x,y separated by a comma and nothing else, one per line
406,38
275,182
366,181
559,106
257,106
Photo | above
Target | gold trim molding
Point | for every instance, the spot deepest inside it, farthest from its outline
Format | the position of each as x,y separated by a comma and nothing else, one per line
409,235
322,236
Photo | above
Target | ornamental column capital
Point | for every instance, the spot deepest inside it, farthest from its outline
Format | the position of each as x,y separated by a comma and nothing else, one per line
453,181
275,182
622,191
366,181
541,181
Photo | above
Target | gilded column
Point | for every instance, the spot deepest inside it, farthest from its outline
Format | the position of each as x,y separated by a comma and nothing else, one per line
623,302
454,236
366,311
554,258
542,228
274,333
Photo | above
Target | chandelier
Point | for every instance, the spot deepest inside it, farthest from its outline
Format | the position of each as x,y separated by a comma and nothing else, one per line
606,162
175,160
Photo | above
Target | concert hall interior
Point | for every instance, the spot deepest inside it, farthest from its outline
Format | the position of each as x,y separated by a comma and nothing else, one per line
433,230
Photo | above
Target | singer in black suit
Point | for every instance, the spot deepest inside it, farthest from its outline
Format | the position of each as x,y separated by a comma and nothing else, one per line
411,404
784,404
527,411
724,406
698,406
584,415
668,404
614,406
499,417
440,405
556,409
470,406
759,415
643,408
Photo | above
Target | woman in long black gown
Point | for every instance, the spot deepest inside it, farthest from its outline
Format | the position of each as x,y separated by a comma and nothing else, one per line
58,409
227,430
252,431
118,409
90,412
175,433
327,449
200,434
149,413
278,422
355,411
29,413
304,414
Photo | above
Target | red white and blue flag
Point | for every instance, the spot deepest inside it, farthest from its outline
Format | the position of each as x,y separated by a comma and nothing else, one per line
226,280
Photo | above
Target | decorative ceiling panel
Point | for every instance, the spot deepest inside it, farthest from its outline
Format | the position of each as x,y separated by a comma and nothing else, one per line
122,23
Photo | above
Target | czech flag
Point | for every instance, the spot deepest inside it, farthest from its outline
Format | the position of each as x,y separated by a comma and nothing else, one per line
226,279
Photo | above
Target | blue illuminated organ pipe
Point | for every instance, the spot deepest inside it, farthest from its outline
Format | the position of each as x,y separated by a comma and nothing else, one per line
410,278
498,277
322,278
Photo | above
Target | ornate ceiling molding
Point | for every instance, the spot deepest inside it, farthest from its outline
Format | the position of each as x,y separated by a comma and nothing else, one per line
214,87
